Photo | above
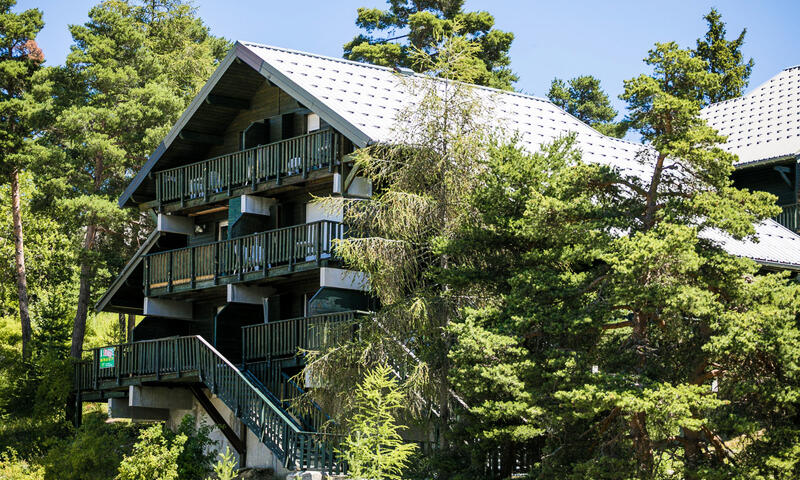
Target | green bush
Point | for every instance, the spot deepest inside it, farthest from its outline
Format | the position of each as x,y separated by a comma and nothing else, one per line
93,453
14,468
155,456
160,453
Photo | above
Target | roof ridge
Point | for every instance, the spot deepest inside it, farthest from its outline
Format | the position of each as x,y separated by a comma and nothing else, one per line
419,75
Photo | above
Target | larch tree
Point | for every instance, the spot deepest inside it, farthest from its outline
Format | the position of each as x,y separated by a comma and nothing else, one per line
132,70
397,36
421,181
583,98
20,57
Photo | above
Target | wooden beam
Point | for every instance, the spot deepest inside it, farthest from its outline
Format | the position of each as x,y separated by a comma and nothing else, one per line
228,102
210,210
238,443
199,137
350,177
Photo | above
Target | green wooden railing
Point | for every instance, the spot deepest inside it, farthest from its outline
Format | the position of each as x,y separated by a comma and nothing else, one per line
789,217
283,338
188,356
249,168
240,258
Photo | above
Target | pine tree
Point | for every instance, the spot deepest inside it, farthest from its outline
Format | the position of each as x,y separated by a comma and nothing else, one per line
20,57
724,58
616,326
132,71
411,27
583,98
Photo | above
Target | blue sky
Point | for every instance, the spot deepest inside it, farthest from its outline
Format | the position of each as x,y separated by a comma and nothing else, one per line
564,38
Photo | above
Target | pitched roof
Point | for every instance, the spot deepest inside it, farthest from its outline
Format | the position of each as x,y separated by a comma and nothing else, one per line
764,124
368,97
362,100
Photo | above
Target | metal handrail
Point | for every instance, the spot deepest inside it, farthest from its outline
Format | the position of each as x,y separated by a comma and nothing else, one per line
181,355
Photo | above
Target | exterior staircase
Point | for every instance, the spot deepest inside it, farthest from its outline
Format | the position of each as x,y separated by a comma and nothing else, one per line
262,397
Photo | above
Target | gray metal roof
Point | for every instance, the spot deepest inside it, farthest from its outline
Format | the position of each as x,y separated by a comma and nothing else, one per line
362,101
764,124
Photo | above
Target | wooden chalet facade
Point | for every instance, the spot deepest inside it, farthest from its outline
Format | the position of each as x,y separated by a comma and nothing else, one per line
240,272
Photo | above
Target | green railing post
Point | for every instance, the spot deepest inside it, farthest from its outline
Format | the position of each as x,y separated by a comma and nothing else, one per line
146,276
240,258
182,186
291,249
318,237
171,266
216,263
205,181
192,273
158,360
229,161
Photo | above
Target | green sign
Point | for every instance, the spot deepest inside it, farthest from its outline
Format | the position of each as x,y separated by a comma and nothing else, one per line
107,357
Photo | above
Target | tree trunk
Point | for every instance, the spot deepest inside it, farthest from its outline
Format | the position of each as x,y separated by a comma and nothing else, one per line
642,445
87,272
19,261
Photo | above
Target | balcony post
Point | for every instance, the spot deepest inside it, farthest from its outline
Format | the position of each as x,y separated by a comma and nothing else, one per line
306,151
171,266
158,177
146,276
205,181
229,161
254,174
292,249
331,140
158,360
182,185
318,242
216,263
240,257
192,274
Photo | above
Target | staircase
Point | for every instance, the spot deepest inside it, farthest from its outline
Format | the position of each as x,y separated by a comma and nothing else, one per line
192,358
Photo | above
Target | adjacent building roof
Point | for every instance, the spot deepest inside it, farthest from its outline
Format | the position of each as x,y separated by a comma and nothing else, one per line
361,101
764,124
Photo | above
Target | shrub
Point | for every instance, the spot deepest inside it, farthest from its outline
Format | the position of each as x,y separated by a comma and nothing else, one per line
154,456
93,453
14,468
225,468
374,449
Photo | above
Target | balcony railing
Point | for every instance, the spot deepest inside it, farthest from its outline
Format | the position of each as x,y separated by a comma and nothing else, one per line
284,337
240,259
258,165
789,217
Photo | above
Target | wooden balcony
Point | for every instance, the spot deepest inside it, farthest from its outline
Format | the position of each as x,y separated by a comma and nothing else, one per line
219,177
251,257
789,217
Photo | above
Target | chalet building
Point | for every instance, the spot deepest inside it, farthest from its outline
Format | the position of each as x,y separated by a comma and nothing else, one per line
240,271
763,129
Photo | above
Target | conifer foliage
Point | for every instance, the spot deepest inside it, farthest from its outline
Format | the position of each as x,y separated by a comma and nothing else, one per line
374,449
394,38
